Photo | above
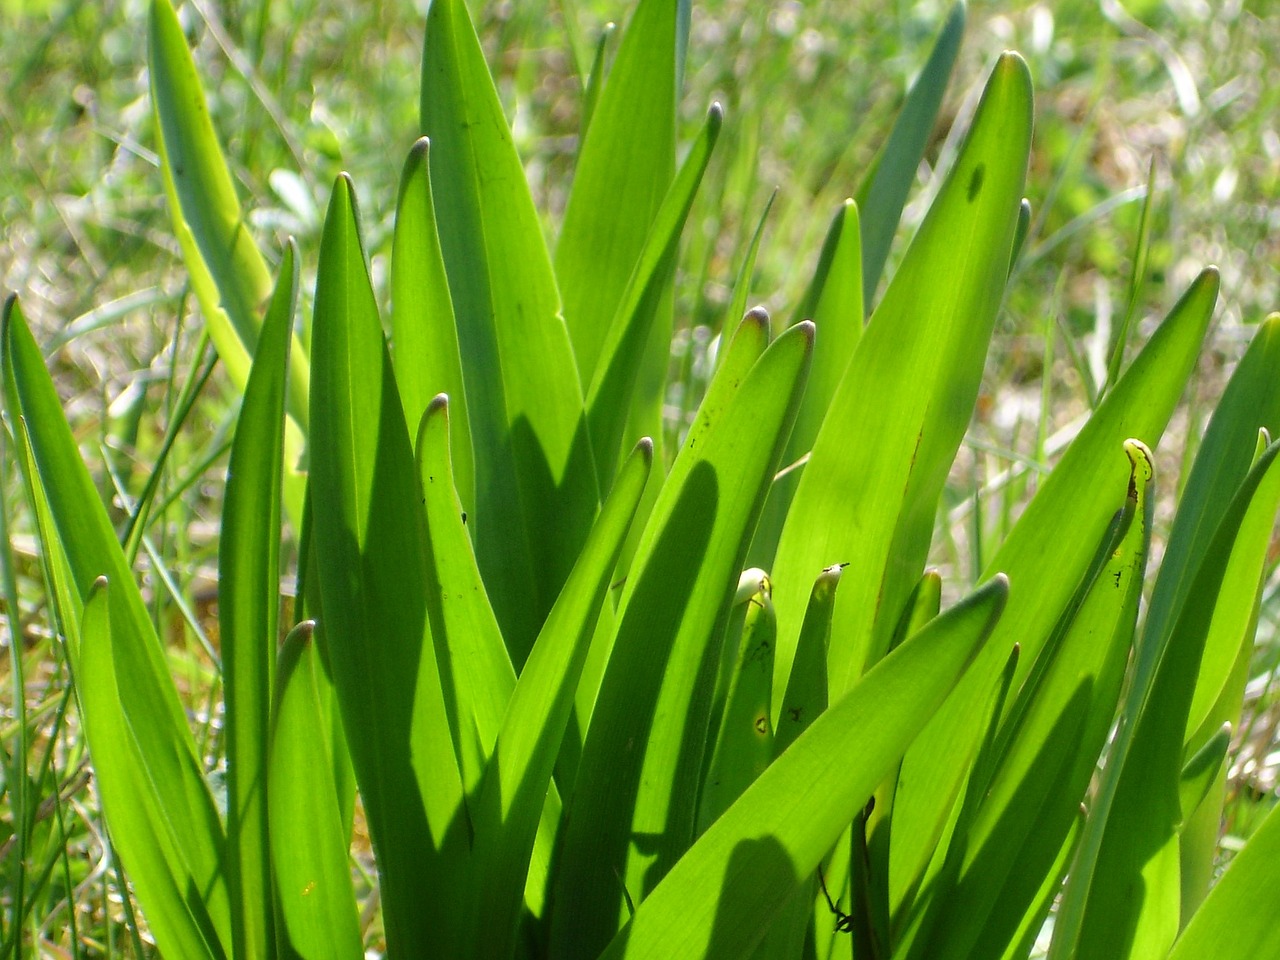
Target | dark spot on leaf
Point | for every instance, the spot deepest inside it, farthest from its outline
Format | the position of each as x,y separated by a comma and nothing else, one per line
762,724
975,181
464,516
795,713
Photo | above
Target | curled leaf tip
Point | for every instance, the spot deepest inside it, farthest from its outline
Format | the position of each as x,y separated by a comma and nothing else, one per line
439,402
645,448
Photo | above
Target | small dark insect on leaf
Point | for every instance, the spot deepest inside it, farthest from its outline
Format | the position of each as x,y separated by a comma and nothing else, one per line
464,516
844,922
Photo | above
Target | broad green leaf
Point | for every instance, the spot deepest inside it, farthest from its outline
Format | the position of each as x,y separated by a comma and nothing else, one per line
369,536
138,681
308,835
1130,850
642,758
536,492
1016,819
476,672
613,205
869,494
424,337
1238,919
1130,841
623,350
520,769
248,618
884,191
722,895
228,274
1048,553
157,859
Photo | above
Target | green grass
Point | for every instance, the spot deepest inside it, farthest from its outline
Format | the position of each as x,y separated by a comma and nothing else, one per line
810,92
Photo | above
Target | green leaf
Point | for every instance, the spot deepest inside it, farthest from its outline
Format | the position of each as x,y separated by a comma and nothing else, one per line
834,303
1135,838
1201,771
722,895
506,816
476,672
369,536
609,398
248,618
178,803
1131,838
869,494
743,747
423,335
308,835
228,274
884,190
658,686
747,269
613,205
1048,552
157,855
1238,919
1017,817
594,81
536,493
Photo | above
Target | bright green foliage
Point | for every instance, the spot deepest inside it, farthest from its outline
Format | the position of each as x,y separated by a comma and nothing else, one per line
577,728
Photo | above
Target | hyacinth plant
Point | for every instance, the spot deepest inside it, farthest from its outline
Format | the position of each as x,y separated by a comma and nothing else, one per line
601,696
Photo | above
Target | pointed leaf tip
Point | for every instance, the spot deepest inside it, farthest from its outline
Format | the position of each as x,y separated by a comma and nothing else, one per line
439,402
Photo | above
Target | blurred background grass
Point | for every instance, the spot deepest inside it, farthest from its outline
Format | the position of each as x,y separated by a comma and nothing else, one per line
301,89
